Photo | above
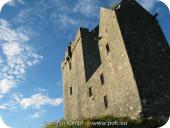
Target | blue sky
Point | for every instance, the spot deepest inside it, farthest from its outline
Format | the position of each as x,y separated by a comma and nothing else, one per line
33,37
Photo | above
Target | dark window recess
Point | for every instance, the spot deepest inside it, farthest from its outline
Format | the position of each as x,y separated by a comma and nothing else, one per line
70,65
107,48
102,78
71,91
106,30
67,58
90,91
69,51
105,102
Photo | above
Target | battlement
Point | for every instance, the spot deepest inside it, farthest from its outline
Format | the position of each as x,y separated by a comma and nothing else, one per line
72,45
82,34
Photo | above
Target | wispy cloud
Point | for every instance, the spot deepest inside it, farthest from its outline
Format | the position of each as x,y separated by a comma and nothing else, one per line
11,49
11,35
12,104
15,2
37,12
6,85
23,15
40,10
87,7
38,100
36,103
21,1
37,114
63,15
16,56
3,106
63,20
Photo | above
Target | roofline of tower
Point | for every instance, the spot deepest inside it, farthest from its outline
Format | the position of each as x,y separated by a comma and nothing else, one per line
73,44
122,1
82,29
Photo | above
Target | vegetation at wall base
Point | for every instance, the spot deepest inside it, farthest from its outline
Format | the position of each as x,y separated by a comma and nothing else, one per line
109,122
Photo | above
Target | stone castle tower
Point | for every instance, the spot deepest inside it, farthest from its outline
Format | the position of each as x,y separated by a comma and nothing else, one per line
121,68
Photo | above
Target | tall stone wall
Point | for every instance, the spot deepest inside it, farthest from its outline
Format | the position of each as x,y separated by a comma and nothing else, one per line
73,77
149,56
120,84
120,68
89,60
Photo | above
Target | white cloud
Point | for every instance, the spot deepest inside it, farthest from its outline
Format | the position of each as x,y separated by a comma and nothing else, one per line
37,103
17,56
15,2
23,15
40,90
1,96
11,35
63,20
37,12
37,114
4,23
2,107
11,49
21,1
87,7
6,85
3,124
38,100
63,14
13,103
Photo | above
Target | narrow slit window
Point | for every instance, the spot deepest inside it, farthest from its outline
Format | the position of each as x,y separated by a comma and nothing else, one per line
71,91
105,102
102,79
90,91
70,65
107,48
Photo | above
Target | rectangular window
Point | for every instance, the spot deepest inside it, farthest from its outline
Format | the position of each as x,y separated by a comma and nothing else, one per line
102,79
107,48
105,102
90,91
71,91
70,65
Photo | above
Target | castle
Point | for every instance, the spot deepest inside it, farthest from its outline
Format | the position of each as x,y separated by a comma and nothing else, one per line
120,68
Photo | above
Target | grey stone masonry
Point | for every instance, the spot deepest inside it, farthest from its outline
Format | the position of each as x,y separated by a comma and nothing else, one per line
120,68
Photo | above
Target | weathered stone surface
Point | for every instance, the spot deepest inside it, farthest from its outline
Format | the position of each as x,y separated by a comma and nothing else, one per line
149,55
130,50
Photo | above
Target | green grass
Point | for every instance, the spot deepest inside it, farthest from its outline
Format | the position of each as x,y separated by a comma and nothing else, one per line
109,122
